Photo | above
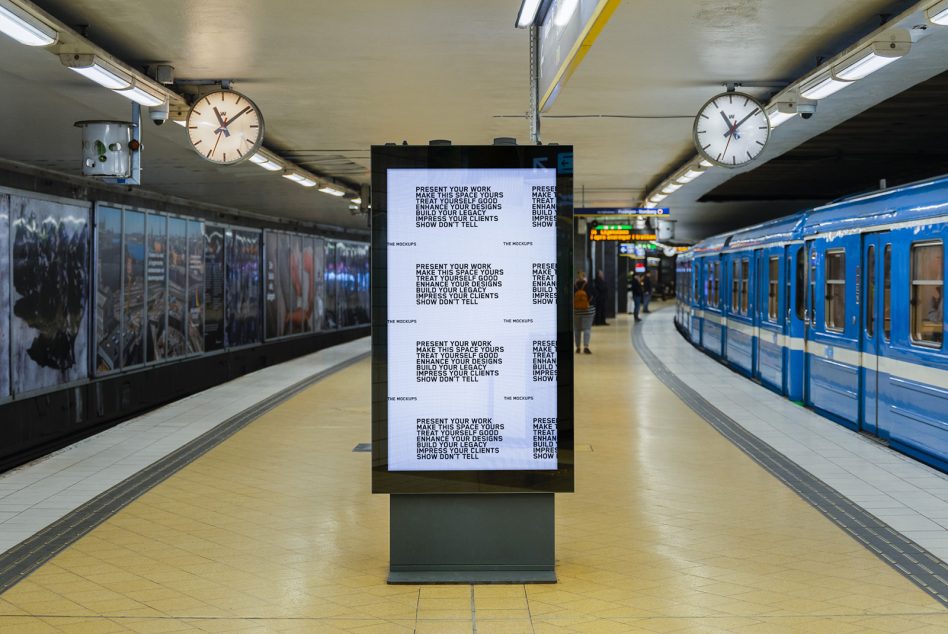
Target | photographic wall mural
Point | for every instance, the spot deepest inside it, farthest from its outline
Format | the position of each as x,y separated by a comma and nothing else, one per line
50,265
164,287
4,296
213,288
242,260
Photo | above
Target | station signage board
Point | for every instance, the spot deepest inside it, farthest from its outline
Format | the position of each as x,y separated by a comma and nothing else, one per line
618,233
471,283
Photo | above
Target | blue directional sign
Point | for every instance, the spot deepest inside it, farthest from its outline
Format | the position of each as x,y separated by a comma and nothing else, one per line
622,211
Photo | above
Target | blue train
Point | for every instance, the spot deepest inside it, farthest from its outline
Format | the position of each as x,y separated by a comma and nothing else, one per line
840,308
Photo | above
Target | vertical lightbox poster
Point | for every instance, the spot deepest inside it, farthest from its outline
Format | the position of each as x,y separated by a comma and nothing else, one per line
195,286
156,282
472,319
108,290
4,296
213,287
176,331
50,266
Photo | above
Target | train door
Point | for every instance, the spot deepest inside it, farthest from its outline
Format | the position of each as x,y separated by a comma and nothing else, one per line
832,346
872,329
795,322
760,304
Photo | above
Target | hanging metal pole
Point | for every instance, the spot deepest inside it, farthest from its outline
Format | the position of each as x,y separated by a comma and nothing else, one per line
535,85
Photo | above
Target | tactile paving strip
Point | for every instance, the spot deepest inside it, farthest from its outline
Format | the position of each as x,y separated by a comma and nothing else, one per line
924,569
18,562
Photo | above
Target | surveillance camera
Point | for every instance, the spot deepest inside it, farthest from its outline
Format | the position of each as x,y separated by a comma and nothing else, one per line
159,114
806,109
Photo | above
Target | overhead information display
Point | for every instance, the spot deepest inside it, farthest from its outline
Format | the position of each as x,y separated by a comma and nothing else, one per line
472,319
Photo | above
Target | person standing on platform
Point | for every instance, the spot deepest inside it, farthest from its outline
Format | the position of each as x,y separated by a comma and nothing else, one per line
584,310
600,291
635,287
646,292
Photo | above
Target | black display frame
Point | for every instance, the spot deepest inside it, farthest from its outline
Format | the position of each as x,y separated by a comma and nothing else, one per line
559,157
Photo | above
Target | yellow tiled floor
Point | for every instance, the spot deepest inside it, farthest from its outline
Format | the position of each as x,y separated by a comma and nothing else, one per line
671,529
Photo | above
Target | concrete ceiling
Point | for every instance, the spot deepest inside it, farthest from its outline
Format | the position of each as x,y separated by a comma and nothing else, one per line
333,78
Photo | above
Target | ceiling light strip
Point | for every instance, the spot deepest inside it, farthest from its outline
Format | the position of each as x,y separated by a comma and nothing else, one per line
24,27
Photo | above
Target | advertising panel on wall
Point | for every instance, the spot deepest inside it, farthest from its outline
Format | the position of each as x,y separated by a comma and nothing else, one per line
195,287
108,294
352,276
156,282
175,341
133,289
243,287
329,316
307,284
472,373
213,288
319,279
4,296
50,264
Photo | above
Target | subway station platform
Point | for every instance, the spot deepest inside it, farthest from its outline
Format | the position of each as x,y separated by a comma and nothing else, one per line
248,510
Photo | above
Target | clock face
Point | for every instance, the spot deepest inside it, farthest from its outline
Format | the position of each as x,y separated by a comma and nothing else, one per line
731,129
225,127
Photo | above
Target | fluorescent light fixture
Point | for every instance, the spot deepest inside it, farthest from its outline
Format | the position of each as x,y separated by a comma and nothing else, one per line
874,56
822,85
938,13
689,175
332,191
670,188
528,13
24,27
355,201
104,73
657,198
564,12
181,122
143,94
780,113
265,161
299,178
705,163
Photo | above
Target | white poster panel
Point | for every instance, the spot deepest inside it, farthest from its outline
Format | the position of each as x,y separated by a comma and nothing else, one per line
471,319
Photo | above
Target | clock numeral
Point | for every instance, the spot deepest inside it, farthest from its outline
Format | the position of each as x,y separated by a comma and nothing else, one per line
225,156
749,155
760,144
198,142
198,113
239,153
254,125
209,152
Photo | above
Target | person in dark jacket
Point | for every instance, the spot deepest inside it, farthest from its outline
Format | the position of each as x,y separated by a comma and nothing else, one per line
635,287
601,291
647,289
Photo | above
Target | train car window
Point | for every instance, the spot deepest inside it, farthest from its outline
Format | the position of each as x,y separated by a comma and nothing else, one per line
773,289
835,309
717,284
928,269
887,292
736,287
745,276
870,291
800,299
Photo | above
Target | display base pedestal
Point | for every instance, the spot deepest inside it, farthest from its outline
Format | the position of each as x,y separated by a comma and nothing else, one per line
472,538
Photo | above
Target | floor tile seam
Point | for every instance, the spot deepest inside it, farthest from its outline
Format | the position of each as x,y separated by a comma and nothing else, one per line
731,428
16,565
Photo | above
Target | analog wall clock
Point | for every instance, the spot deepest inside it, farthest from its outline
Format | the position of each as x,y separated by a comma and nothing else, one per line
731,129
225,127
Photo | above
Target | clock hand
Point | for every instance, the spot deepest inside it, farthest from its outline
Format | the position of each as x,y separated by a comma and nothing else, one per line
730,126
223,126
215,144
234,118
744,120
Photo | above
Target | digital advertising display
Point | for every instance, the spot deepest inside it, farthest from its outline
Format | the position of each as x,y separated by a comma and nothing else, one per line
475,296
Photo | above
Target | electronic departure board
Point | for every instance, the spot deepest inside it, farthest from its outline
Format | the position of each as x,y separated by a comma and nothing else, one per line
471,337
